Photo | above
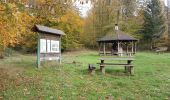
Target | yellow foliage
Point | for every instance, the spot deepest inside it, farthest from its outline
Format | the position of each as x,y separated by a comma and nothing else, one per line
12,30
72,24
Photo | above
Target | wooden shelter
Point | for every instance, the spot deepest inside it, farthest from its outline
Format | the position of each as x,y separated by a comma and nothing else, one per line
49,44
117,43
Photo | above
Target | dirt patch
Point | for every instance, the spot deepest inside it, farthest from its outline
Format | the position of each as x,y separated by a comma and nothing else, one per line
14,78
11,70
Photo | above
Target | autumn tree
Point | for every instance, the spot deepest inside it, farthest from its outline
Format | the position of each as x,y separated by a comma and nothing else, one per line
19,17
61,15
72,24
15,23
8,35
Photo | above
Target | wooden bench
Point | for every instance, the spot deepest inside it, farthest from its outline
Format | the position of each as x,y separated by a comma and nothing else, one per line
129,68
106,53
91,69
161,49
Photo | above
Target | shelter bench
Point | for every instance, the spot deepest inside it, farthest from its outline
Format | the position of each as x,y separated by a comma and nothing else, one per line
119,54
129,68
161,49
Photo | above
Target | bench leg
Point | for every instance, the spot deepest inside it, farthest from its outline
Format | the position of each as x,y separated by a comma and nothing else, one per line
92,71
126,69
131,70
102,68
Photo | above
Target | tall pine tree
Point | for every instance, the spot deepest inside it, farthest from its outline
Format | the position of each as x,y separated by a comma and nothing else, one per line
154,21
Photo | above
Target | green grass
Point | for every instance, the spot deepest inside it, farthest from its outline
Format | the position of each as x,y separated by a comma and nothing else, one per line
20,79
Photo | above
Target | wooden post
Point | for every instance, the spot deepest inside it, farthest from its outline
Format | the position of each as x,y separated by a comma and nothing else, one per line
132,47
127,48
60,50
38,52
118,48
126,69
99,48
102,67
103,70
104,49
135,47
132,71
101,64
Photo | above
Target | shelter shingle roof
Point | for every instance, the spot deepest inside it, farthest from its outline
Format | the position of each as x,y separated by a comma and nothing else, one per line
117,36
49,30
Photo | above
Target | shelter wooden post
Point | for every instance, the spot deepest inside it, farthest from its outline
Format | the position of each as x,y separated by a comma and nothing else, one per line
132,47
104,49
127,48
135,47
99,48
38,52
118,46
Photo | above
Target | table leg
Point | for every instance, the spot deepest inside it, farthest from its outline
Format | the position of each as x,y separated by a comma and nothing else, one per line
132,70
102,67
101,64
126,69
129,67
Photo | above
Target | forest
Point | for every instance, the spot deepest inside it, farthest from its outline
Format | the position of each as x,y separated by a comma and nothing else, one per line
79,62
145,20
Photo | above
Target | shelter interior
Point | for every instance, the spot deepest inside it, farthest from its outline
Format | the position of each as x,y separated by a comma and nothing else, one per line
117,43
119,48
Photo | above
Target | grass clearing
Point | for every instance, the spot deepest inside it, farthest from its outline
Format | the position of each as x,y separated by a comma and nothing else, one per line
20,79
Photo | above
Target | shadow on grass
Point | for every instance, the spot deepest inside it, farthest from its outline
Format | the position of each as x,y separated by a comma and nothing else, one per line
116,72
112,72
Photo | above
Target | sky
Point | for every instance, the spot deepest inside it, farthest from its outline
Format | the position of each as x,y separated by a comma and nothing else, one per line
83,8
86,7
165,2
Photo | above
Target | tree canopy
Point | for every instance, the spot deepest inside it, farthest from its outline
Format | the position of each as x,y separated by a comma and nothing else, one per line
154,21
144,20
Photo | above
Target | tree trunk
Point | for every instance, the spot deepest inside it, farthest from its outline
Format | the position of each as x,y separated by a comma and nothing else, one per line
151,44
1,52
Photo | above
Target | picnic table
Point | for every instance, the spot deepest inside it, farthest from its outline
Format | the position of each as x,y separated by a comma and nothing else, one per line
128,66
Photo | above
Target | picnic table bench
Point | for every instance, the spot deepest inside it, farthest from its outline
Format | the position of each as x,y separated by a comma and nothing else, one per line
128,66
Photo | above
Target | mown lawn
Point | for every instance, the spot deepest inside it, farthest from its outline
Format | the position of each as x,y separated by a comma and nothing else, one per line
21,80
